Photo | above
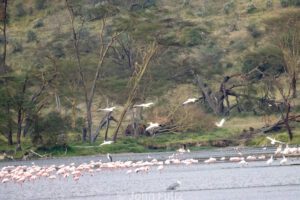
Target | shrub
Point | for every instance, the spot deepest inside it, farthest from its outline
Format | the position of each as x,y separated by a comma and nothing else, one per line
31,36
269,60
40,4
16,47
251,7
38,24
269,4
284,3
253,30
58,50
20,10
228,7
51,130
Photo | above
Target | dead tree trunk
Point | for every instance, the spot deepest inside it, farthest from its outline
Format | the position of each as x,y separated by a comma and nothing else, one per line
139,73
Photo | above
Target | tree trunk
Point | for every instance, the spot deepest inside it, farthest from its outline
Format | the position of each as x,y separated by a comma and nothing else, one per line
19,130
294,85
107,126
286,121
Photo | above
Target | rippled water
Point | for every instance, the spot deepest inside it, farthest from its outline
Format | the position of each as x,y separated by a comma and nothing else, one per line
199,181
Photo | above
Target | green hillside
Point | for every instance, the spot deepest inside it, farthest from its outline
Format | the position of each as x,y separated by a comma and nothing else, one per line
246,55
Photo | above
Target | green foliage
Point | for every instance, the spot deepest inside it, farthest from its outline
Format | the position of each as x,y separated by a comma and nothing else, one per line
40,4
52,130
269,60
58,50
238,45
284,3
20,11
229,7
269,4
16,46
31,36
38,24
254,31
251,8
99,12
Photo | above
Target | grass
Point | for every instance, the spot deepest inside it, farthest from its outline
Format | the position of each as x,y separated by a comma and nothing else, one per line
159,143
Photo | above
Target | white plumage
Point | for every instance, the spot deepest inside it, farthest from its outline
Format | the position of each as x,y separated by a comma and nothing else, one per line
190,100
110,109
144,105
221,123
152,126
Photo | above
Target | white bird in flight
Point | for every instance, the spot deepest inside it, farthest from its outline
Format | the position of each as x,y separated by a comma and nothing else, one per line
107,109
190,100
152,126
221,123
273,141
174,186
144,105
106,142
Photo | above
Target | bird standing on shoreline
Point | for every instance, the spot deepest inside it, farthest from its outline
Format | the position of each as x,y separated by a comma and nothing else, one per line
174,186
109,157
270,161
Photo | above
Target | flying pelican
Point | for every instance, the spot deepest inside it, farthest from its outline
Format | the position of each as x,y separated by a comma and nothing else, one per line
109,157
144,105
190,100
273,141
270,161
105,142
107,109
152,126
221,123
174,186
283,161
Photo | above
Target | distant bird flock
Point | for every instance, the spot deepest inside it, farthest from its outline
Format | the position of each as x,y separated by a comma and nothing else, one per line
21,174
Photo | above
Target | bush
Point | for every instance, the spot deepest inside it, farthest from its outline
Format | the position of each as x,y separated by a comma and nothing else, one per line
58,50
269,60
228,7
251,7
20,10
31,36
269,4
40,4
253,30
38,24
284,3
16,47
51,130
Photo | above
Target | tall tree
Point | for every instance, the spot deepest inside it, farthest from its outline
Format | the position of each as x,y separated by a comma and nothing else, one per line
89,91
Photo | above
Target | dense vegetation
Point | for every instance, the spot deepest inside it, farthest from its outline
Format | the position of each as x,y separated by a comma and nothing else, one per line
62,60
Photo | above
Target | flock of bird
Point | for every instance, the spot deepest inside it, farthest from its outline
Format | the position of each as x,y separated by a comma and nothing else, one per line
152,126
21,174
